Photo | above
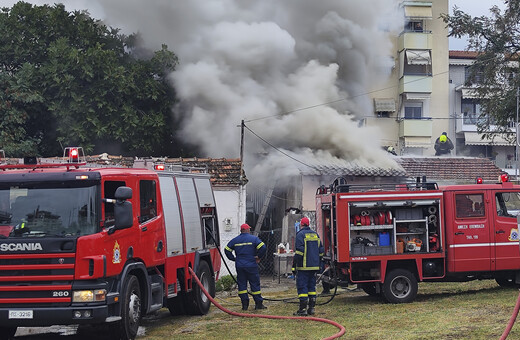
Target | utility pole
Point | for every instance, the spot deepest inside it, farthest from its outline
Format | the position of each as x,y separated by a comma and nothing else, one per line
242,125
517,141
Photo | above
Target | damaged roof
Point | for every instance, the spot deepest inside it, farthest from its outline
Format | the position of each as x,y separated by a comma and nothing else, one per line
347,168
450,169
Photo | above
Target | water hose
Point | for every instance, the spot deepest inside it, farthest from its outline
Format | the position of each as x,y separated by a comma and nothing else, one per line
246,315
512,319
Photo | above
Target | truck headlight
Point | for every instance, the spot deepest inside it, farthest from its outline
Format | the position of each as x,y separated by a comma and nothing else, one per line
97,295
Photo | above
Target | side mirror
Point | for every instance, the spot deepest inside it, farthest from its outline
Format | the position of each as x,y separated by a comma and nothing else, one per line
123,193
123,212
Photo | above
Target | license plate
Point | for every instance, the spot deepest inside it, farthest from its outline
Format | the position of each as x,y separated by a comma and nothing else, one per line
20,314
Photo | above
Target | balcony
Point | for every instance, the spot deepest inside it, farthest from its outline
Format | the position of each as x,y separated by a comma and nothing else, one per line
415,40
415,128
415,83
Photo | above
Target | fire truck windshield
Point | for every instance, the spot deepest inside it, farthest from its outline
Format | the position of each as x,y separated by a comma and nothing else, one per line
48,211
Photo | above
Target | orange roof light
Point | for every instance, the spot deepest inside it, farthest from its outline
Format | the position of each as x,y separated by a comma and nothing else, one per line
159,167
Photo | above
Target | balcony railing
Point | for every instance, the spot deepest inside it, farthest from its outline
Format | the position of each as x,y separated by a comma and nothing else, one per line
415,40
415,83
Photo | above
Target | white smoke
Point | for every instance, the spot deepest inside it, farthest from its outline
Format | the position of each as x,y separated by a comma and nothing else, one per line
276,65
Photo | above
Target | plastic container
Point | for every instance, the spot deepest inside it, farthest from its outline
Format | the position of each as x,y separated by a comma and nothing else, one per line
384,239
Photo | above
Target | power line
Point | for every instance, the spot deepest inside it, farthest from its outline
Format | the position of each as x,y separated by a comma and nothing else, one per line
280,151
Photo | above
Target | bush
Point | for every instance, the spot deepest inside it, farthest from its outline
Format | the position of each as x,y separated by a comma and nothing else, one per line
225,283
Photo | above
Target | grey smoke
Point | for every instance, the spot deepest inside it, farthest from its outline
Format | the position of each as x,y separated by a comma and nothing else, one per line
254,59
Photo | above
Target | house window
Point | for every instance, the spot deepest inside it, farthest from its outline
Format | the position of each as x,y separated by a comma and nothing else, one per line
414,26
478,78
413,111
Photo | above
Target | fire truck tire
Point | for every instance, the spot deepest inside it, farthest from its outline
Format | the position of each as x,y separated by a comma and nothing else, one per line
369,288
7,333
176,305
400,286
200,302
131,309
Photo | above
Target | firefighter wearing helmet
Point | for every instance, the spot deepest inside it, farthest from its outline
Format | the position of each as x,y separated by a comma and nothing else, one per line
249,249
443,145
306,263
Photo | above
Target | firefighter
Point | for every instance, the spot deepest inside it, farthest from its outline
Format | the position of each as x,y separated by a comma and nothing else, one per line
306,263
443,145
249,249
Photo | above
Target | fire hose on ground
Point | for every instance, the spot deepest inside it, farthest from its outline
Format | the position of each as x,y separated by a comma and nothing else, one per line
247,315
512,319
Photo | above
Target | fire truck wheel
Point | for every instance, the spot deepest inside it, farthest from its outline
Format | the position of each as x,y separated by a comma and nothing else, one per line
200,302
131,308
369,288
176,305
400,286
7,333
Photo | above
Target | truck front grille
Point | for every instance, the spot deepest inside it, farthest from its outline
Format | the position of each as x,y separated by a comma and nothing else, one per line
36,279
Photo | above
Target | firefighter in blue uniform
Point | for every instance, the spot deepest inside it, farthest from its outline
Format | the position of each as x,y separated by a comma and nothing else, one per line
306,263
249,249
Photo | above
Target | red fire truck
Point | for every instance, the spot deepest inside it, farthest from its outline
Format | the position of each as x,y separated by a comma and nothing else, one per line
91,245
387,238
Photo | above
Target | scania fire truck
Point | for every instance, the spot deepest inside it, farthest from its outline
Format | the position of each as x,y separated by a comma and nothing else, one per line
92,245
389,237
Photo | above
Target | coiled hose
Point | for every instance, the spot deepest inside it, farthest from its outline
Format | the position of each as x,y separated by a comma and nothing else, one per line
246,315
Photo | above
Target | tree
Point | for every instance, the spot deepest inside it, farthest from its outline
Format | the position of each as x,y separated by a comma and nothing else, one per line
67,79
495,71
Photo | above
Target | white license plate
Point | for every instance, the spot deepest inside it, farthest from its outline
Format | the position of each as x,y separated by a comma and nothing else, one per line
20,314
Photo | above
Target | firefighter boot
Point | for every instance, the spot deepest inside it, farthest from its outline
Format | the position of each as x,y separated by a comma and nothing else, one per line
312,303
259,305
303,309
245,304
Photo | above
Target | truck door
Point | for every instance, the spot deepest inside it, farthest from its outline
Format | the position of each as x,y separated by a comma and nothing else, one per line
507,206
471,246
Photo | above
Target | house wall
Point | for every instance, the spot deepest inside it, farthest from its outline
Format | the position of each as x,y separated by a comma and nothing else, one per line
231,211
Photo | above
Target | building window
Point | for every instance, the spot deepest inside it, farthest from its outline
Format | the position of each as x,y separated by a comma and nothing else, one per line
413,111
414,26
470,79
470,109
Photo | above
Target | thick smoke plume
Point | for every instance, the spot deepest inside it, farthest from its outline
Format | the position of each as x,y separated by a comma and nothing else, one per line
276,65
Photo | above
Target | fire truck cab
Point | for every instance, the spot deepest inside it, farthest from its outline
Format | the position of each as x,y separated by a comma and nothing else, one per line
91,245
389,237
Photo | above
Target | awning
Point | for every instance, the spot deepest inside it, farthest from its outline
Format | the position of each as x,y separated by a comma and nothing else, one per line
418,10
417,96
418,57
384,104
417,142
474,138
469,94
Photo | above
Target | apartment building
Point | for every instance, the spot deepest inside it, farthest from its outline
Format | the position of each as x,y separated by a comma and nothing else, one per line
465,106
413,108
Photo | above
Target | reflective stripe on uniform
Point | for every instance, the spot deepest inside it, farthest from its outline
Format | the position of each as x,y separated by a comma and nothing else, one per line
242,291
256,293
244,244
227,248
308,268
260,245
298,252
303,295
312,293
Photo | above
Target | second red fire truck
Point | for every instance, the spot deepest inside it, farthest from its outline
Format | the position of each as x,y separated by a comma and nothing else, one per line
388,238
93,245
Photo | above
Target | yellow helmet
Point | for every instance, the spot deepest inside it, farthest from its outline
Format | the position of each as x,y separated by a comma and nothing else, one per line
443,138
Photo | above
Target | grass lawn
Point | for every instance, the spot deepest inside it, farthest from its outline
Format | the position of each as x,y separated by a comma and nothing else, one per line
467,310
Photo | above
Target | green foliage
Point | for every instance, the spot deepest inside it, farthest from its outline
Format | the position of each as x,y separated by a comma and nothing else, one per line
67,79
495,72
225,283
